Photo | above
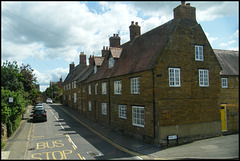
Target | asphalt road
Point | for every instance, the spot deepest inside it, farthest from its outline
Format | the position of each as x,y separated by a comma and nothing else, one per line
62,137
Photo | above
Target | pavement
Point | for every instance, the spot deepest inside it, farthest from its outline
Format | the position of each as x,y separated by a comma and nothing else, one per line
16,146
223,147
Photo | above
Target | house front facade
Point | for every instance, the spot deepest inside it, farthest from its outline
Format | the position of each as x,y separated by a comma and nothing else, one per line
164,82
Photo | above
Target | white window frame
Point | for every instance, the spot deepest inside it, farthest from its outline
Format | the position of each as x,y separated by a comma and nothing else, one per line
203,78
104,88
111,62
174,77
122,111
198,53
138,117
224,83
89,105
118,87
89,89
104,108
75,97
135,85
96,85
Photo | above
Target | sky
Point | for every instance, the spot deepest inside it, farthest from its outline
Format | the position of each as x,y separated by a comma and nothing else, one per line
50,35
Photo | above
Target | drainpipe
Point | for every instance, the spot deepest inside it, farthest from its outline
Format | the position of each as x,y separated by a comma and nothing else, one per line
109,105
153,104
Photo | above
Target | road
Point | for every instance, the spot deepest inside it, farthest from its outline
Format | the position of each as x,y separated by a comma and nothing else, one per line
62,137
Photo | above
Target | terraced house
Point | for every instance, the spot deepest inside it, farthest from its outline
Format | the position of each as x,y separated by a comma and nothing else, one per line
161,83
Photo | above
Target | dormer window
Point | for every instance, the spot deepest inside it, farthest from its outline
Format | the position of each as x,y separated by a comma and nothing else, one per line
95,69
111,62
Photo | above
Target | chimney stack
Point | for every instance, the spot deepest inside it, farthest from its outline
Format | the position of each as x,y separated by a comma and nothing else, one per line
184,11
114,40
135,30
71,67
82,58
105,51
91,60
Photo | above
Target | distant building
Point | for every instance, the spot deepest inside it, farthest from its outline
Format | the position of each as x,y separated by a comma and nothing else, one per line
59,83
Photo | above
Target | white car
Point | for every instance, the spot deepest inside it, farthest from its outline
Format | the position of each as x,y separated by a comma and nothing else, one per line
49,100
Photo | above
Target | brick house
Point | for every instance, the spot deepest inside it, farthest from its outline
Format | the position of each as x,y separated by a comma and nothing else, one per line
164,82
229,96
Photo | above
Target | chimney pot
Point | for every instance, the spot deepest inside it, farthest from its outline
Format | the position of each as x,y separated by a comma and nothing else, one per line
183,3
103,47
132,22
188,4
113,35
136,23
106,47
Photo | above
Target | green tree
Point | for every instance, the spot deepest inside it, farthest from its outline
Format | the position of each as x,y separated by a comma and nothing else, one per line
29,82
11,78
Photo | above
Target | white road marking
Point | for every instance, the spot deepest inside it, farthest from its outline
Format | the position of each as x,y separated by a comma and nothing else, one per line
61,126
71,141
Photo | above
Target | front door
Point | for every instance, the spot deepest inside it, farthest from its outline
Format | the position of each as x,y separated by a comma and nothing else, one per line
224,117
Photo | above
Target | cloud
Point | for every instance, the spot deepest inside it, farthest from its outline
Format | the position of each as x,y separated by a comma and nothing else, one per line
227,43
51,75
211,39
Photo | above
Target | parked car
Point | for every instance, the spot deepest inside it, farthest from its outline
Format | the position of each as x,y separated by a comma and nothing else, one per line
49,100
38,106
40,114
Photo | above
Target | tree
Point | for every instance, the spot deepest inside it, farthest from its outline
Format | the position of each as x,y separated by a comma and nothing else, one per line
11,78
29,82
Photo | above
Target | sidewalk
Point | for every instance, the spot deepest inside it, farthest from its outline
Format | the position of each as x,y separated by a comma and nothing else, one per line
224,147
16,145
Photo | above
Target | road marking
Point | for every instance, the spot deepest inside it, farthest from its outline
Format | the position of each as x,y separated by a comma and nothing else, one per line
70,140
61,126
105,138
56,118
80,156
52,112
74,147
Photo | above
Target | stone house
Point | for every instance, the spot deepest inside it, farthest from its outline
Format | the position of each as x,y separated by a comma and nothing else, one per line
229,95
161,83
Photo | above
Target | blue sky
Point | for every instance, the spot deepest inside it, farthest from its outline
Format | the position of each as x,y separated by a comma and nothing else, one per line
50,35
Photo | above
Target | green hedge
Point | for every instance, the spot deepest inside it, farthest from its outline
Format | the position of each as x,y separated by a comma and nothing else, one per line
11,113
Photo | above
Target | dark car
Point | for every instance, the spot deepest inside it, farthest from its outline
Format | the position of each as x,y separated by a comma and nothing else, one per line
40,114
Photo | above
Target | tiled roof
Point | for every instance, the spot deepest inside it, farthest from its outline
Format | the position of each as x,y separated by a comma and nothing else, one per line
74,73
138,55
229,61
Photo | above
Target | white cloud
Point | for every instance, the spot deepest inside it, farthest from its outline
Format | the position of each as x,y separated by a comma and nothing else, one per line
211,39
227,43
51,75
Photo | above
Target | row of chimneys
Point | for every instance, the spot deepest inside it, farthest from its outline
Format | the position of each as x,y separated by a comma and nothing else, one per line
114,42
182,11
